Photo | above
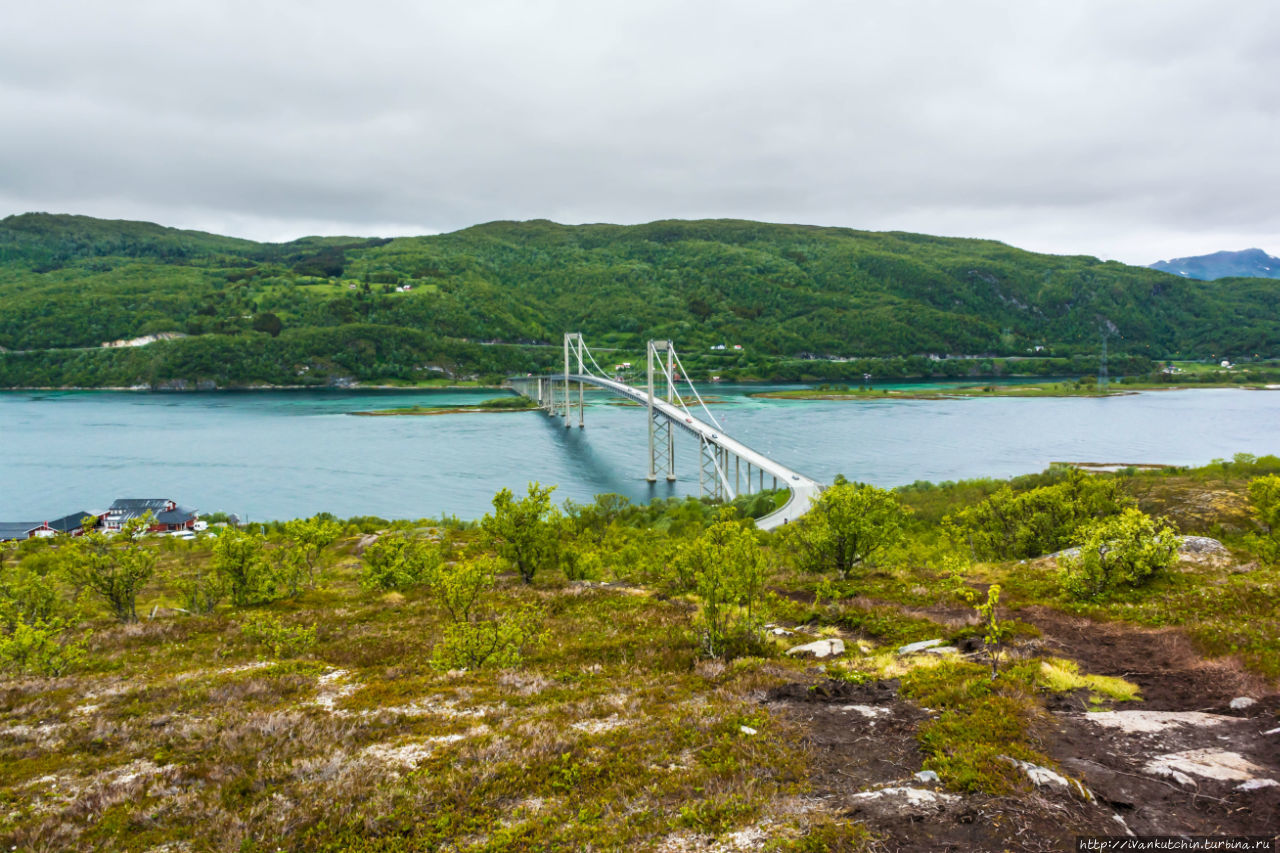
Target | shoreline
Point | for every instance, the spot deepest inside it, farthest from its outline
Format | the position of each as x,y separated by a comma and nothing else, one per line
140,389
442,410
796,394
1009,391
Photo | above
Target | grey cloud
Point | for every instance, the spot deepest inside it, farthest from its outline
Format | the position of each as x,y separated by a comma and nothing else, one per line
1134,130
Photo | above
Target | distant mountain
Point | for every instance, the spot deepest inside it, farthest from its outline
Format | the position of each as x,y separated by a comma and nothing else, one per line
1251,263
494,299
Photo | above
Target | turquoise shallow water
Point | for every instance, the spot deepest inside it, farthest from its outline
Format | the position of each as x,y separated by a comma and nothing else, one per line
281,454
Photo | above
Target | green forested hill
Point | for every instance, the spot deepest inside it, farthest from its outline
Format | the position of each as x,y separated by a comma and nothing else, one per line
320,308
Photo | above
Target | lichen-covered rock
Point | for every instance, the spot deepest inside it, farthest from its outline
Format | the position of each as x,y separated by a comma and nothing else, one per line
1201,545
820,648
914,648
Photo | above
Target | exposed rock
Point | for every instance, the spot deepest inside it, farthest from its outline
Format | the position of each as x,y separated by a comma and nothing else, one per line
1257,784
819,648
942,650
1201,545
913,648
1116,789
1209,763
1042,777
1188,546
905,799
927,776
1241,702
1150,722
747,730
365,541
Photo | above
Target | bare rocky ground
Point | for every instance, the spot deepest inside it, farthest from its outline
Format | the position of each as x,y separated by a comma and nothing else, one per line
1184,761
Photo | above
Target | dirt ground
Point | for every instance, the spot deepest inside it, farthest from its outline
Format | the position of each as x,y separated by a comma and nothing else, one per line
1183,761
1173,677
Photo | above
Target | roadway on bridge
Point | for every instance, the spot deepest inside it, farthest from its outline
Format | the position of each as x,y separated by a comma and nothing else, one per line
804,490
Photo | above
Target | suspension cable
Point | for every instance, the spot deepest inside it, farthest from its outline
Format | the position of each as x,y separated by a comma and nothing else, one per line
694,389
585,349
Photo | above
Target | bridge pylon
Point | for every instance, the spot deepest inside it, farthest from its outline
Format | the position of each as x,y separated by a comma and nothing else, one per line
574,347
662,443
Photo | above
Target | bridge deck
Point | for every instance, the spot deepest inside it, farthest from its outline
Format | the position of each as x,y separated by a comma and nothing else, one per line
803,489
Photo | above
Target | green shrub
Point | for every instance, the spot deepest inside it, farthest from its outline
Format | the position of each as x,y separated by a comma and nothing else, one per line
1123,551
1010,525
524,532
726,569
478,634
282,641
846,528
42,647
116,569
461,586
491,640
994,632
202,587
306,539
401,561
1264,494
581,560
27,594
238,558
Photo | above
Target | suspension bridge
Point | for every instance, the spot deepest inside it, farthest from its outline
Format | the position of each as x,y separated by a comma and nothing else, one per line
726,467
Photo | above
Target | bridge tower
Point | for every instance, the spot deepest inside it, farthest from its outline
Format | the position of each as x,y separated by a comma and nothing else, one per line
662,445
573,348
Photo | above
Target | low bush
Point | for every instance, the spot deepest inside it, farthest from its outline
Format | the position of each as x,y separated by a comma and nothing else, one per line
238,558
498,640
400,561
1264,495
848,527
1016,525
480,634
726,569
42,647
1127,550
279,639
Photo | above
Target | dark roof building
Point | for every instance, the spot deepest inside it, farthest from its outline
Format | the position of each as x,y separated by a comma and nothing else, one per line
178,517
10,530
167,514
130,507
71,525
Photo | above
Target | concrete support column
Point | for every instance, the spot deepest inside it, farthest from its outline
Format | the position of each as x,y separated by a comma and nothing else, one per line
653,475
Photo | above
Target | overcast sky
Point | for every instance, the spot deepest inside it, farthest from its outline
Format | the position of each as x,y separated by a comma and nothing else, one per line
1129,130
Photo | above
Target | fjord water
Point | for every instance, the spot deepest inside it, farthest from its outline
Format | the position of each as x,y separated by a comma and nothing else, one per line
283,454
